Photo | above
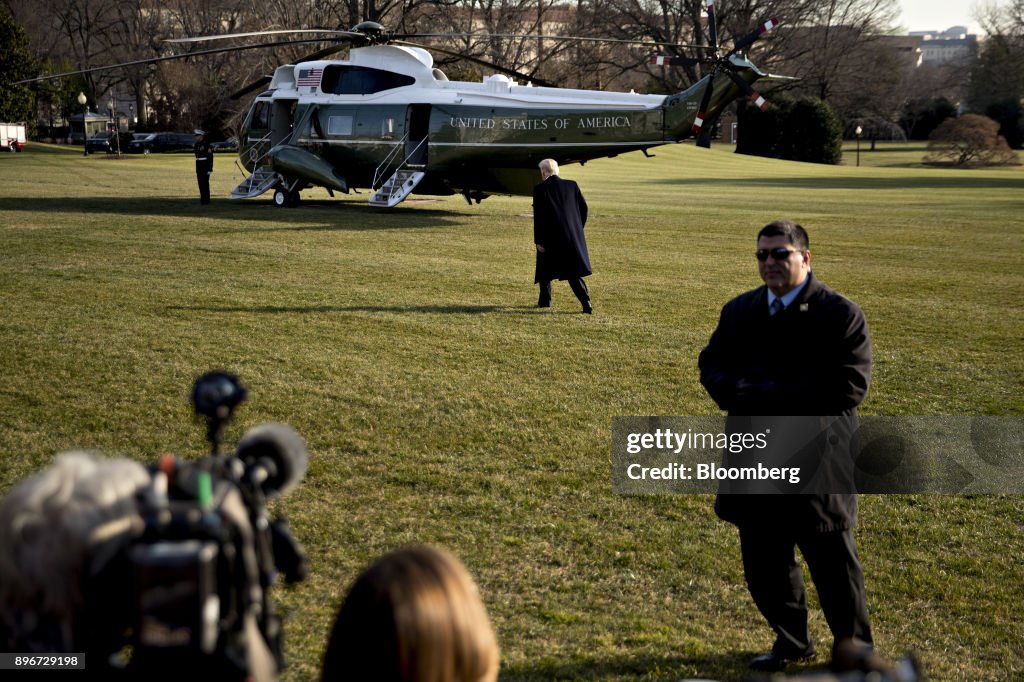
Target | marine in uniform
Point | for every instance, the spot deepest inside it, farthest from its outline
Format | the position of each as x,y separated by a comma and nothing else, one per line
204,165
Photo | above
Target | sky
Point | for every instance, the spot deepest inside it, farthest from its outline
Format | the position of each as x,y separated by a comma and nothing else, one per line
931,15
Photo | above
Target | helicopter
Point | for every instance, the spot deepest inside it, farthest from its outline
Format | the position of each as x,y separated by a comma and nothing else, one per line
387,119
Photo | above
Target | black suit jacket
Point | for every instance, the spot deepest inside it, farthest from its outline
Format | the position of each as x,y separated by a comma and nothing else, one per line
559,215
813,358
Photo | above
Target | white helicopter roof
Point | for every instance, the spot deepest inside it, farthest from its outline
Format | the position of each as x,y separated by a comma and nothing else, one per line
431,86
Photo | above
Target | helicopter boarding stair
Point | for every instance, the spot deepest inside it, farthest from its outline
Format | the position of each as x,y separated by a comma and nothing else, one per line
256,184
403,181
263,177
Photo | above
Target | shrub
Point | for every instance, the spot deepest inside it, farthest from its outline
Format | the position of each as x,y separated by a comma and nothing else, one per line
805,130
969,141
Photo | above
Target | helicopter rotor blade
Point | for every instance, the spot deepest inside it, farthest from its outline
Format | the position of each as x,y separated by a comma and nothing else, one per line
335,34
254,85
668,60
263,80
481,62
165,58
703,127
320,54
745,42
755,97
578,39
698,122
712,27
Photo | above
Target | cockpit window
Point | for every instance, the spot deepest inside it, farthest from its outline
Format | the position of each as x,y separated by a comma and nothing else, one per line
361,80
260,116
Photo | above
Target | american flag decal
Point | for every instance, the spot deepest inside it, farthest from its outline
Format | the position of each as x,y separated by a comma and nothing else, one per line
309,77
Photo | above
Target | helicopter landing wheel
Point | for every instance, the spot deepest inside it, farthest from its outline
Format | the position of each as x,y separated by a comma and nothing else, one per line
285,198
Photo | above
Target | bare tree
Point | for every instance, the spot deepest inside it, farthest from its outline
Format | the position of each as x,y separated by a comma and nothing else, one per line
828,50
502,32
75,30
999,71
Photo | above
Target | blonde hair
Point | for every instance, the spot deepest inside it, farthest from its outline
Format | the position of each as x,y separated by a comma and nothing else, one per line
415,615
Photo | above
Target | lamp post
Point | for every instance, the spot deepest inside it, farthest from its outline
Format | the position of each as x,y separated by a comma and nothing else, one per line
117,124
82,99
857,132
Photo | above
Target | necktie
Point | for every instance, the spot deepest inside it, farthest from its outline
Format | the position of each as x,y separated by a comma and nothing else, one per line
776,307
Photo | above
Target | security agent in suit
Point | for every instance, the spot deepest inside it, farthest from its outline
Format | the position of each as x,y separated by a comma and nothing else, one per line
559,214
793,347
204,165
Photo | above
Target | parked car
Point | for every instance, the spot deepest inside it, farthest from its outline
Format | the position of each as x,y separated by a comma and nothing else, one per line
228,145
138,145
162,142
108,142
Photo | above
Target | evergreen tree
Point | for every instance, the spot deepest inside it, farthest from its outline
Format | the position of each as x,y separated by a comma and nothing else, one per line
805,130
16,63
921,116
815,131
1007,112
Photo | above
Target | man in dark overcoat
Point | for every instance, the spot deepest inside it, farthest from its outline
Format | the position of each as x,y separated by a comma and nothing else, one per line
559,215
793,347
204,165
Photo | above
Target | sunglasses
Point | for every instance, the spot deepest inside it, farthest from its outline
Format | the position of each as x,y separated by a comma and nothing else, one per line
778,253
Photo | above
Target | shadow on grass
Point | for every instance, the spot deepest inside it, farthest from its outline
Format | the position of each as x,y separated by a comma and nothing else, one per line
309,215
402,309
724,666
942,182
33,148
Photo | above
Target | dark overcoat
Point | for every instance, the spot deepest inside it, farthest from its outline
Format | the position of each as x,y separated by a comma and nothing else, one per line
559,215
813,358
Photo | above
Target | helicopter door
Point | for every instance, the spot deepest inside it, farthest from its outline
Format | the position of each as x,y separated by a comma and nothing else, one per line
418,124
281,119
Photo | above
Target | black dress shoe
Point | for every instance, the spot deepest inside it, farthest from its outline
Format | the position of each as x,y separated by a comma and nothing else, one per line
774,662
544,305
588,309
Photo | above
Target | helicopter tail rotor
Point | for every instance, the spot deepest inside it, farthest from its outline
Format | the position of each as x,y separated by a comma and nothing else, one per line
667,60
699,120
718,63
746,41
712,27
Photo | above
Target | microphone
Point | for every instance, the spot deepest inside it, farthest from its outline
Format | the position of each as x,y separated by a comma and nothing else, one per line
275,457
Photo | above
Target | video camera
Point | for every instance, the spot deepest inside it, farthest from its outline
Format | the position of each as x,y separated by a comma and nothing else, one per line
192,583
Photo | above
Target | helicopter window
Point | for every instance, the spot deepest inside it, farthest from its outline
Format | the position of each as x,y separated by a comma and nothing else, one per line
260,116
361,80
339,125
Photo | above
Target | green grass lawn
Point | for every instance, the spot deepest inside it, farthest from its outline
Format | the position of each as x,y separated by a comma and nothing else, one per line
439,406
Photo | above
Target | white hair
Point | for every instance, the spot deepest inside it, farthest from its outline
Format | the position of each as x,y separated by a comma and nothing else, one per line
548,167
52,525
